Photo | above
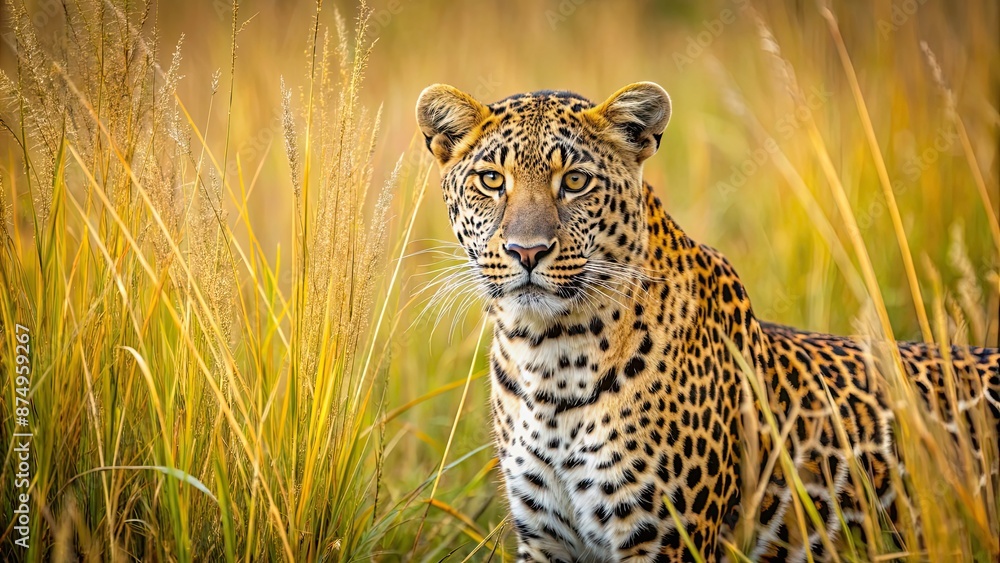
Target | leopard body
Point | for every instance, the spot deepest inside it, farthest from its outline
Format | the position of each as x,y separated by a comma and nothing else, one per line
627,364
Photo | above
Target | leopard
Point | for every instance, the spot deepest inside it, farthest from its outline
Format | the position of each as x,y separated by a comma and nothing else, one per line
629,375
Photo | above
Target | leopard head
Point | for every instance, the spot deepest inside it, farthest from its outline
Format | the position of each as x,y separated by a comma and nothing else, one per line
544,190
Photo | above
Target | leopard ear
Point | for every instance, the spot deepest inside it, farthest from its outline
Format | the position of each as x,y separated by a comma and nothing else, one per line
636,117
445,116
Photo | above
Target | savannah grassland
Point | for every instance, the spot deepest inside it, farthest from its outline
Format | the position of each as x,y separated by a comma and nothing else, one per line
233,260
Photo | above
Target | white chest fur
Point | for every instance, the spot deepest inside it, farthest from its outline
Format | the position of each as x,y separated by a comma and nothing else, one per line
558,447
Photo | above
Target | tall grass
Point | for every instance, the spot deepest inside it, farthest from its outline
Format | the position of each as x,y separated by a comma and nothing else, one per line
192,398
230,275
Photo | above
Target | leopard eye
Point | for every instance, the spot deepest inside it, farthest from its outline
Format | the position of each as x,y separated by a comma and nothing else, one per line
574,182
491,180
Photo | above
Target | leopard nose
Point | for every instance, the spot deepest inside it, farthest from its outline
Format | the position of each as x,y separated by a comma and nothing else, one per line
529,257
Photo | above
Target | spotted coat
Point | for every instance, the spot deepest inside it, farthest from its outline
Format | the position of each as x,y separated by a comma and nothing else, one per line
624,352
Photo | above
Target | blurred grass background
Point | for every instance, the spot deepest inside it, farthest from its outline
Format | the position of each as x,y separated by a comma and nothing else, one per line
727,171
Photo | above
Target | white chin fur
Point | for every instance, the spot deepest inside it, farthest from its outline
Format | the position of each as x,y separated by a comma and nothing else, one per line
536,304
